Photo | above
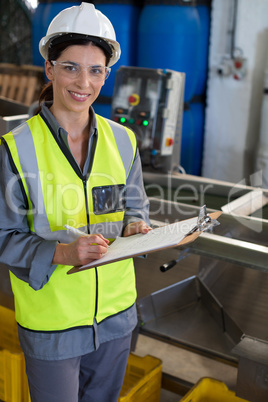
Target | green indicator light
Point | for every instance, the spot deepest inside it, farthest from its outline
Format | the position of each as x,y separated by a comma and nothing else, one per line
145,122
131,121
122,120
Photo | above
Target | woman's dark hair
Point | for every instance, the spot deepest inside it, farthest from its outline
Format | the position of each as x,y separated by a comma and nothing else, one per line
54,53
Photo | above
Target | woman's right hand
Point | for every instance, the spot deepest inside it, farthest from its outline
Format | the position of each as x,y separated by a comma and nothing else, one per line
82,251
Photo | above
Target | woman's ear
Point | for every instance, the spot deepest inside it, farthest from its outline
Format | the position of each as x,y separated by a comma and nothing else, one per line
49,70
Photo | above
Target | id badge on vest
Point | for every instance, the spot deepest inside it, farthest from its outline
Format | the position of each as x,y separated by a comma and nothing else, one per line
109,199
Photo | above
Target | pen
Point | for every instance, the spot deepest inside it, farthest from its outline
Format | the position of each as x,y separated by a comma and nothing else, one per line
75,231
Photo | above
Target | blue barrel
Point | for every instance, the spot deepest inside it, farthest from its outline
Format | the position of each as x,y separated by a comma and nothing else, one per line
168,38
192,138
43,15
187,141
198,114
124,18
103,109
203,51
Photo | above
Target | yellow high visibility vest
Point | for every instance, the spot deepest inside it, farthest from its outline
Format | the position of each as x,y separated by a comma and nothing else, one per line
57,194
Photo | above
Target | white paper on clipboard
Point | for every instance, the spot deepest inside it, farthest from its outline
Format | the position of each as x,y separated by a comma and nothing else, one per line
156,239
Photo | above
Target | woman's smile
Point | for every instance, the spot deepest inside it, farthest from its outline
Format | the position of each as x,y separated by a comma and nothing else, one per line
78,96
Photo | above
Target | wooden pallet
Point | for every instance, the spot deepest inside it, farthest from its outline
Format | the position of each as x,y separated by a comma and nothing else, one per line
21,83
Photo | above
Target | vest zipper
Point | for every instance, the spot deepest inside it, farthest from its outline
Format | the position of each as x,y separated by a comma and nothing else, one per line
95,324
85,178
97,287
86,202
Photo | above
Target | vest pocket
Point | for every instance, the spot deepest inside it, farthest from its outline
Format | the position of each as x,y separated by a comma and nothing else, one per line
109,199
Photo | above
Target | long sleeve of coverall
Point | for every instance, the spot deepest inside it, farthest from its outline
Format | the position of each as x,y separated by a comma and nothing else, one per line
27,255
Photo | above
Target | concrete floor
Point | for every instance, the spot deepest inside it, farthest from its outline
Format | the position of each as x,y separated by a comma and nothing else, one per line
185,365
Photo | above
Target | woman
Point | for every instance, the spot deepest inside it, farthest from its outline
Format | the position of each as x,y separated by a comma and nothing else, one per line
68,166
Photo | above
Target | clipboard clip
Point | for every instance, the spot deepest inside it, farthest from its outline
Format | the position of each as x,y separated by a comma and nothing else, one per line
204,221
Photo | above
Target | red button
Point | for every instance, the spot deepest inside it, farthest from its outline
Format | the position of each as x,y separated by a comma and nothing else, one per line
169,142
132,99
238,64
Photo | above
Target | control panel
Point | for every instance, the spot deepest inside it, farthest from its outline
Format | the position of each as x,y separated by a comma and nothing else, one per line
150,102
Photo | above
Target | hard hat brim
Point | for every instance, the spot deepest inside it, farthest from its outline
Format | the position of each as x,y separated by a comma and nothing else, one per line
100,42
112,47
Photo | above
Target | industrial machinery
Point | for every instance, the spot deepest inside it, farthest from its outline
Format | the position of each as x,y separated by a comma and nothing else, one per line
220,309
150,102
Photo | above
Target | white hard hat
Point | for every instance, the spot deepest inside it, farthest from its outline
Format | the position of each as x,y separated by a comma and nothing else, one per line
82,20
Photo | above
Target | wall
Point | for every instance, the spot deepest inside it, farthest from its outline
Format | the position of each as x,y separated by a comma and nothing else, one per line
234,106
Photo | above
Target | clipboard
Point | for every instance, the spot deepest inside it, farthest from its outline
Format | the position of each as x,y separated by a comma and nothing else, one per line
163,237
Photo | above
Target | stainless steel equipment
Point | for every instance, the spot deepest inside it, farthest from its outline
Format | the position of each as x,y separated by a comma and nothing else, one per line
225,303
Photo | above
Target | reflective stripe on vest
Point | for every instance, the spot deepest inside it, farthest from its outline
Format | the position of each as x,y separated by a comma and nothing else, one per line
58,196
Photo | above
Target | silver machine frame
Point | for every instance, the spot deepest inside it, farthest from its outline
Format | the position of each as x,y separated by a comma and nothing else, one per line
222,311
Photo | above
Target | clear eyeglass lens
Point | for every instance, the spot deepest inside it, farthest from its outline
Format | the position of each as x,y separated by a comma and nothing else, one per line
96,73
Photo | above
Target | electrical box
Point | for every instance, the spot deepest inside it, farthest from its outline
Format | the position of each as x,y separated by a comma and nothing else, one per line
150,102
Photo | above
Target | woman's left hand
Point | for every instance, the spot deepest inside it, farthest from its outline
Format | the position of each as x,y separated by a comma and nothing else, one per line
136,227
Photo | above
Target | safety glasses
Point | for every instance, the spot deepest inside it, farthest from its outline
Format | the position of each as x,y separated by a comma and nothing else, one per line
73,70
